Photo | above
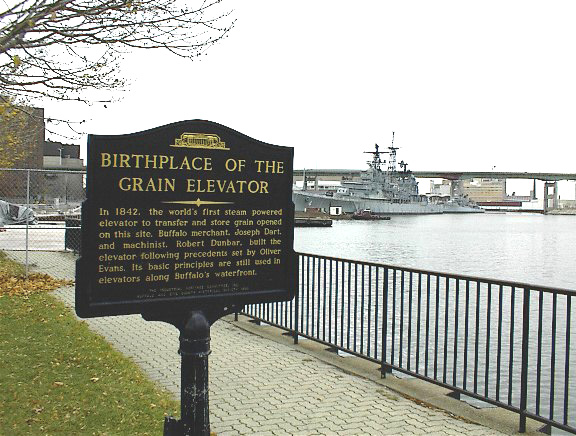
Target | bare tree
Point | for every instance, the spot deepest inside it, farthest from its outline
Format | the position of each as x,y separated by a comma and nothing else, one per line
59,49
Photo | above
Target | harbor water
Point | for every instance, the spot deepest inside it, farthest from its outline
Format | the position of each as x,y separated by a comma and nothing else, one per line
521,247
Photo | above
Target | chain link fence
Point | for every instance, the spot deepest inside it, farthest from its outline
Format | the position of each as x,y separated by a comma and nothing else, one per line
40,213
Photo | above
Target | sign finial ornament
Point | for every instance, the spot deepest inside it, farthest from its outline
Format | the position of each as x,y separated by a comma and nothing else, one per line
200,140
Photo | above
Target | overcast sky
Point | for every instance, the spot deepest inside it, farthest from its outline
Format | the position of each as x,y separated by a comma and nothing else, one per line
465,85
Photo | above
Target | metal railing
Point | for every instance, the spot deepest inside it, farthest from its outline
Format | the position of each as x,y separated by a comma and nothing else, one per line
504,343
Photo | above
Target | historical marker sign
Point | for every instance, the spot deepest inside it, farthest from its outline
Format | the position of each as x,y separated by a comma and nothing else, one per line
185,216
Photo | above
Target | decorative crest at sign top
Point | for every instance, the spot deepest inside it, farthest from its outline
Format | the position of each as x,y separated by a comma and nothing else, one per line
200,140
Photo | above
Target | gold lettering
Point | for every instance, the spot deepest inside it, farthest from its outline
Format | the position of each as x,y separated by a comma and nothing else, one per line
253,186
148,161
150,186
231,188
136,182
124,158
227,186
169,184
154,185
270,166
155,161
191,184
163,160
105,162
122,184
185,163
137,157
194,163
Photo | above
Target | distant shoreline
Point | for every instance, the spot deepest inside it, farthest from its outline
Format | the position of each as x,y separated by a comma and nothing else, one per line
562,212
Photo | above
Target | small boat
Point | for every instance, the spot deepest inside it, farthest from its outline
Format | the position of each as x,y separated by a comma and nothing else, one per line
367,215
312,222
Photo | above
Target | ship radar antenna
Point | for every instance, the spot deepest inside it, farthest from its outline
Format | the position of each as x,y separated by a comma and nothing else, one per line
392,160
376,160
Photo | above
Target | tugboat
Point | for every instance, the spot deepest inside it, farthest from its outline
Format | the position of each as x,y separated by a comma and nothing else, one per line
386,191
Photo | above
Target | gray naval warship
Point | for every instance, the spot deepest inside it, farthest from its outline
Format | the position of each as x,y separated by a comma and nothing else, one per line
381,191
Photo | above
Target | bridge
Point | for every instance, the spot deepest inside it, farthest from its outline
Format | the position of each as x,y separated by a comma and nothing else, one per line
347,174
551,199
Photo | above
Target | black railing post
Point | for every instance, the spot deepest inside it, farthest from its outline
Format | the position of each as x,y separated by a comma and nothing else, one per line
297,311
524,374
384,368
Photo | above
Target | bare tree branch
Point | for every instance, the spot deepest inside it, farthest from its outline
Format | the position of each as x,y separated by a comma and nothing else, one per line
59,49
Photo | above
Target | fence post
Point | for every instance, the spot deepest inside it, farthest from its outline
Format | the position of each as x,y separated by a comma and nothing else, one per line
524,374
27,223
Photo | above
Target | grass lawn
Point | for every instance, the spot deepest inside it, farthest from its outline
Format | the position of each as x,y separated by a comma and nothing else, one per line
59,378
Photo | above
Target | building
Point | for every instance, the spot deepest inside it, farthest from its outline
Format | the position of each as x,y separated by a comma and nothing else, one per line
440,189
58,156
63,186
484,190
23,146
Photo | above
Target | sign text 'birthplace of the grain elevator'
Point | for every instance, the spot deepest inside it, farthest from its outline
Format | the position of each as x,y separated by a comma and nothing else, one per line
185,216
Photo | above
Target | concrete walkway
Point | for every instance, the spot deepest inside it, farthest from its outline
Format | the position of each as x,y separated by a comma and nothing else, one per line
262,387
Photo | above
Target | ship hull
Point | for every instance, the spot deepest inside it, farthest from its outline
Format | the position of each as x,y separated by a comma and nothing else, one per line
305,200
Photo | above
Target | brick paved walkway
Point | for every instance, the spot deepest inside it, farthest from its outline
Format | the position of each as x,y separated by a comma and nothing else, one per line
260,387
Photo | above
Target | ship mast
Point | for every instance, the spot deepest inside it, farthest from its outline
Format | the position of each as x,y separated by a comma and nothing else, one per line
392,160
376,161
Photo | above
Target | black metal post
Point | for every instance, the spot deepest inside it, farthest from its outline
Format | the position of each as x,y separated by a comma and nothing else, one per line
194,330
296,315
524,373
384,369
195,348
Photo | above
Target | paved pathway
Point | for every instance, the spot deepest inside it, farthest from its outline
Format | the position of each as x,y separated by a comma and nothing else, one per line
260,387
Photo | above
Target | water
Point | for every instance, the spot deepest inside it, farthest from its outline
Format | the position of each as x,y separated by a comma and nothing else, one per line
528,248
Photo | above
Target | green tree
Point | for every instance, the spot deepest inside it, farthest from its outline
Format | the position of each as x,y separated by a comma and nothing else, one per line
21,135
